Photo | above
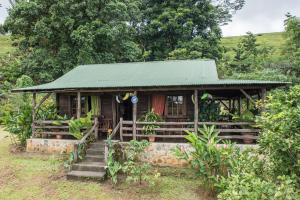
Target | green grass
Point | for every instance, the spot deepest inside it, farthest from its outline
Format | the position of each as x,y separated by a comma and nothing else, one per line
32,176
5,45
273,40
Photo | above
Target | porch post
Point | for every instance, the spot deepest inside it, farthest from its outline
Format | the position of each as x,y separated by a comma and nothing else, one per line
196,110
263,97
134,110
33,114
114,111
78,105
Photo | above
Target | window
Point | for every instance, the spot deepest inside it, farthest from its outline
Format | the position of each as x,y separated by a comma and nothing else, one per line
85,105
175,106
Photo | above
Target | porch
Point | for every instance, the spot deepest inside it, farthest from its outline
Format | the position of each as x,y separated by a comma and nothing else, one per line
122,120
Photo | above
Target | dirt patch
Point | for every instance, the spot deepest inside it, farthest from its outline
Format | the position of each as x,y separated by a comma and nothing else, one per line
6,174
13,148
205,194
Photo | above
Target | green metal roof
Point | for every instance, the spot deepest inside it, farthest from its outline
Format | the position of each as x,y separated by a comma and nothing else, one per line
142,74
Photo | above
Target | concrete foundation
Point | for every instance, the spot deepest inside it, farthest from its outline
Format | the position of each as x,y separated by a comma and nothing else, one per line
50,145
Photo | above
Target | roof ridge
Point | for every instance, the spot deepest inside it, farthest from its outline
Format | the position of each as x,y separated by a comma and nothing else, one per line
148,62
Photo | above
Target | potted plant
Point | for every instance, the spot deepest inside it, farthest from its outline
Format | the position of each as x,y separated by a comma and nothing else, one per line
246,116
149,129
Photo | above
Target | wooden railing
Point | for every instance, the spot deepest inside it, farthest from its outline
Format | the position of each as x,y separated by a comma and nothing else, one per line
50,127
228,130
83,141
45,128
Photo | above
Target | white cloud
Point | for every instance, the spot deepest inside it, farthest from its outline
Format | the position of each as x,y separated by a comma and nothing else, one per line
261,16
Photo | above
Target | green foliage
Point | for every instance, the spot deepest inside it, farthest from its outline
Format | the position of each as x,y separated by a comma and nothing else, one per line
54,37
76,125
209,109
113,165
183,29
136,170
246,186
150,117
280,124
245,116
292,45
249,55
81,149
57,36
210,161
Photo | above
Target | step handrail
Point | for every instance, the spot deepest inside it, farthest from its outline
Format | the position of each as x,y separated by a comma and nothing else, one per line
114,131
83,140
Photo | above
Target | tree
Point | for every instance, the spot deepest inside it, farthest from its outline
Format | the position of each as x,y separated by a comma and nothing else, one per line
248,55
56,36
280,124
183,29
292,45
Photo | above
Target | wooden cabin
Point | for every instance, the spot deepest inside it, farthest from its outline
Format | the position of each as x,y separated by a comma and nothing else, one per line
119,94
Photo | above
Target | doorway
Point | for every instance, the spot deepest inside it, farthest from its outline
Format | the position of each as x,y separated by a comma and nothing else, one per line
126,110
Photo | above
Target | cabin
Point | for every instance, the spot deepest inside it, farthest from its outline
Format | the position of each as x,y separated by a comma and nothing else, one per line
186,94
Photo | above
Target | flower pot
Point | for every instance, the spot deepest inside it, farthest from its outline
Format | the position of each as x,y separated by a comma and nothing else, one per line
151,138
58,136
248,138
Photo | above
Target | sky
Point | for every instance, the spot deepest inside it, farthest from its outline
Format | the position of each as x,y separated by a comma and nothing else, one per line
257,16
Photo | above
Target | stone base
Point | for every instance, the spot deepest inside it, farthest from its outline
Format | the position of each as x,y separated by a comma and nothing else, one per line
161,154
50,145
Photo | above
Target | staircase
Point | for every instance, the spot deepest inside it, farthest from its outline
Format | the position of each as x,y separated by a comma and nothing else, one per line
92,166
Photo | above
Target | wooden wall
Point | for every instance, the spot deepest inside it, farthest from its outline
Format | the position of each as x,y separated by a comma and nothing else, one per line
144,103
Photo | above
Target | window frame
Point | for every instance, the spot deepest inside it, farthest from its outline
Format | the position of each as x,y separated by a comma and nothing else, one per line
183,115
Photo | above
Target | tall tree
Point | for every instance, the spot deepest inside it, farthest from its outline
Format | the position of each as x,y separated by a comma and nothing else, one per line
57,35
249,55
184,28
292,45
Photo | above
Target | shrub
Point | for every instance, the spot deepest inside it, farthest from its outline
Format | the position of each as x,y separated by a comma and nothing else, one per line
76,125
136,170
210,162
150,117
247,185
280,124
113,165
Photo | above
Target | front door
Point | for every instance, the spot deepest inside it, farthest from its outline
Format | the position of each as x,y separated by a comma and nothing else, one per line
126,110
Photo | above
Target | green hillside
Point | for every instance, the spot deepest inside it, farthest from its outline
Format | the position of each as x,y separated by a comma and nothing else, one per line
273,40
5,45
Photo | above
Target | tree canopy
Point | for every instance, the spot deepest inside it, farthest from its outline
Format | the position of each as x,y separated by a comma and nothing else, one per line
58,35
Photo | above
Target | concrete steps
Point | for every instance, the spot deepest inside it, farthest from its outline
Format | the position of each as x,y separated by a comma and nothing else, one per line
92,166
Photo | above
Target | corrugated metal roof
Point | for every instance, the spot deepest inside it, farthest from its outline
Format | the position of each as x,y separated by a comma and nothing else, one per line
142,74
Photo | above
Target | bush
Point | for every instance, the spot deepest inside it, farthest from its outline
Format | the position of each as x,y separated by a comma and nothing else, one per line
280,124
16,110
136,170
246,186
209,161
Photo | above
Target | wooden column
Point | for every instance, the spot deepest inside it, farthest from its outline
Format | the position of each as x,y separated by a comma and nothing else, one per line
114,112
121,129
263,97
196,111
134,110
78,105
240,105
97,128
33,114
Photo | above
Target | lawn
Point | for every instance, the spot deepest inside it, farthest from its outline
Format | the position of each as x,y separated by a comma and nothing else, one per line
5,45
32,176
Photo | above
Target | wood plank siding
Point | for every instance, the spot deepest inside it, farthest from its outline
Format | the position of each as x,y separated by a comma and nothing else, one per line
144,104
